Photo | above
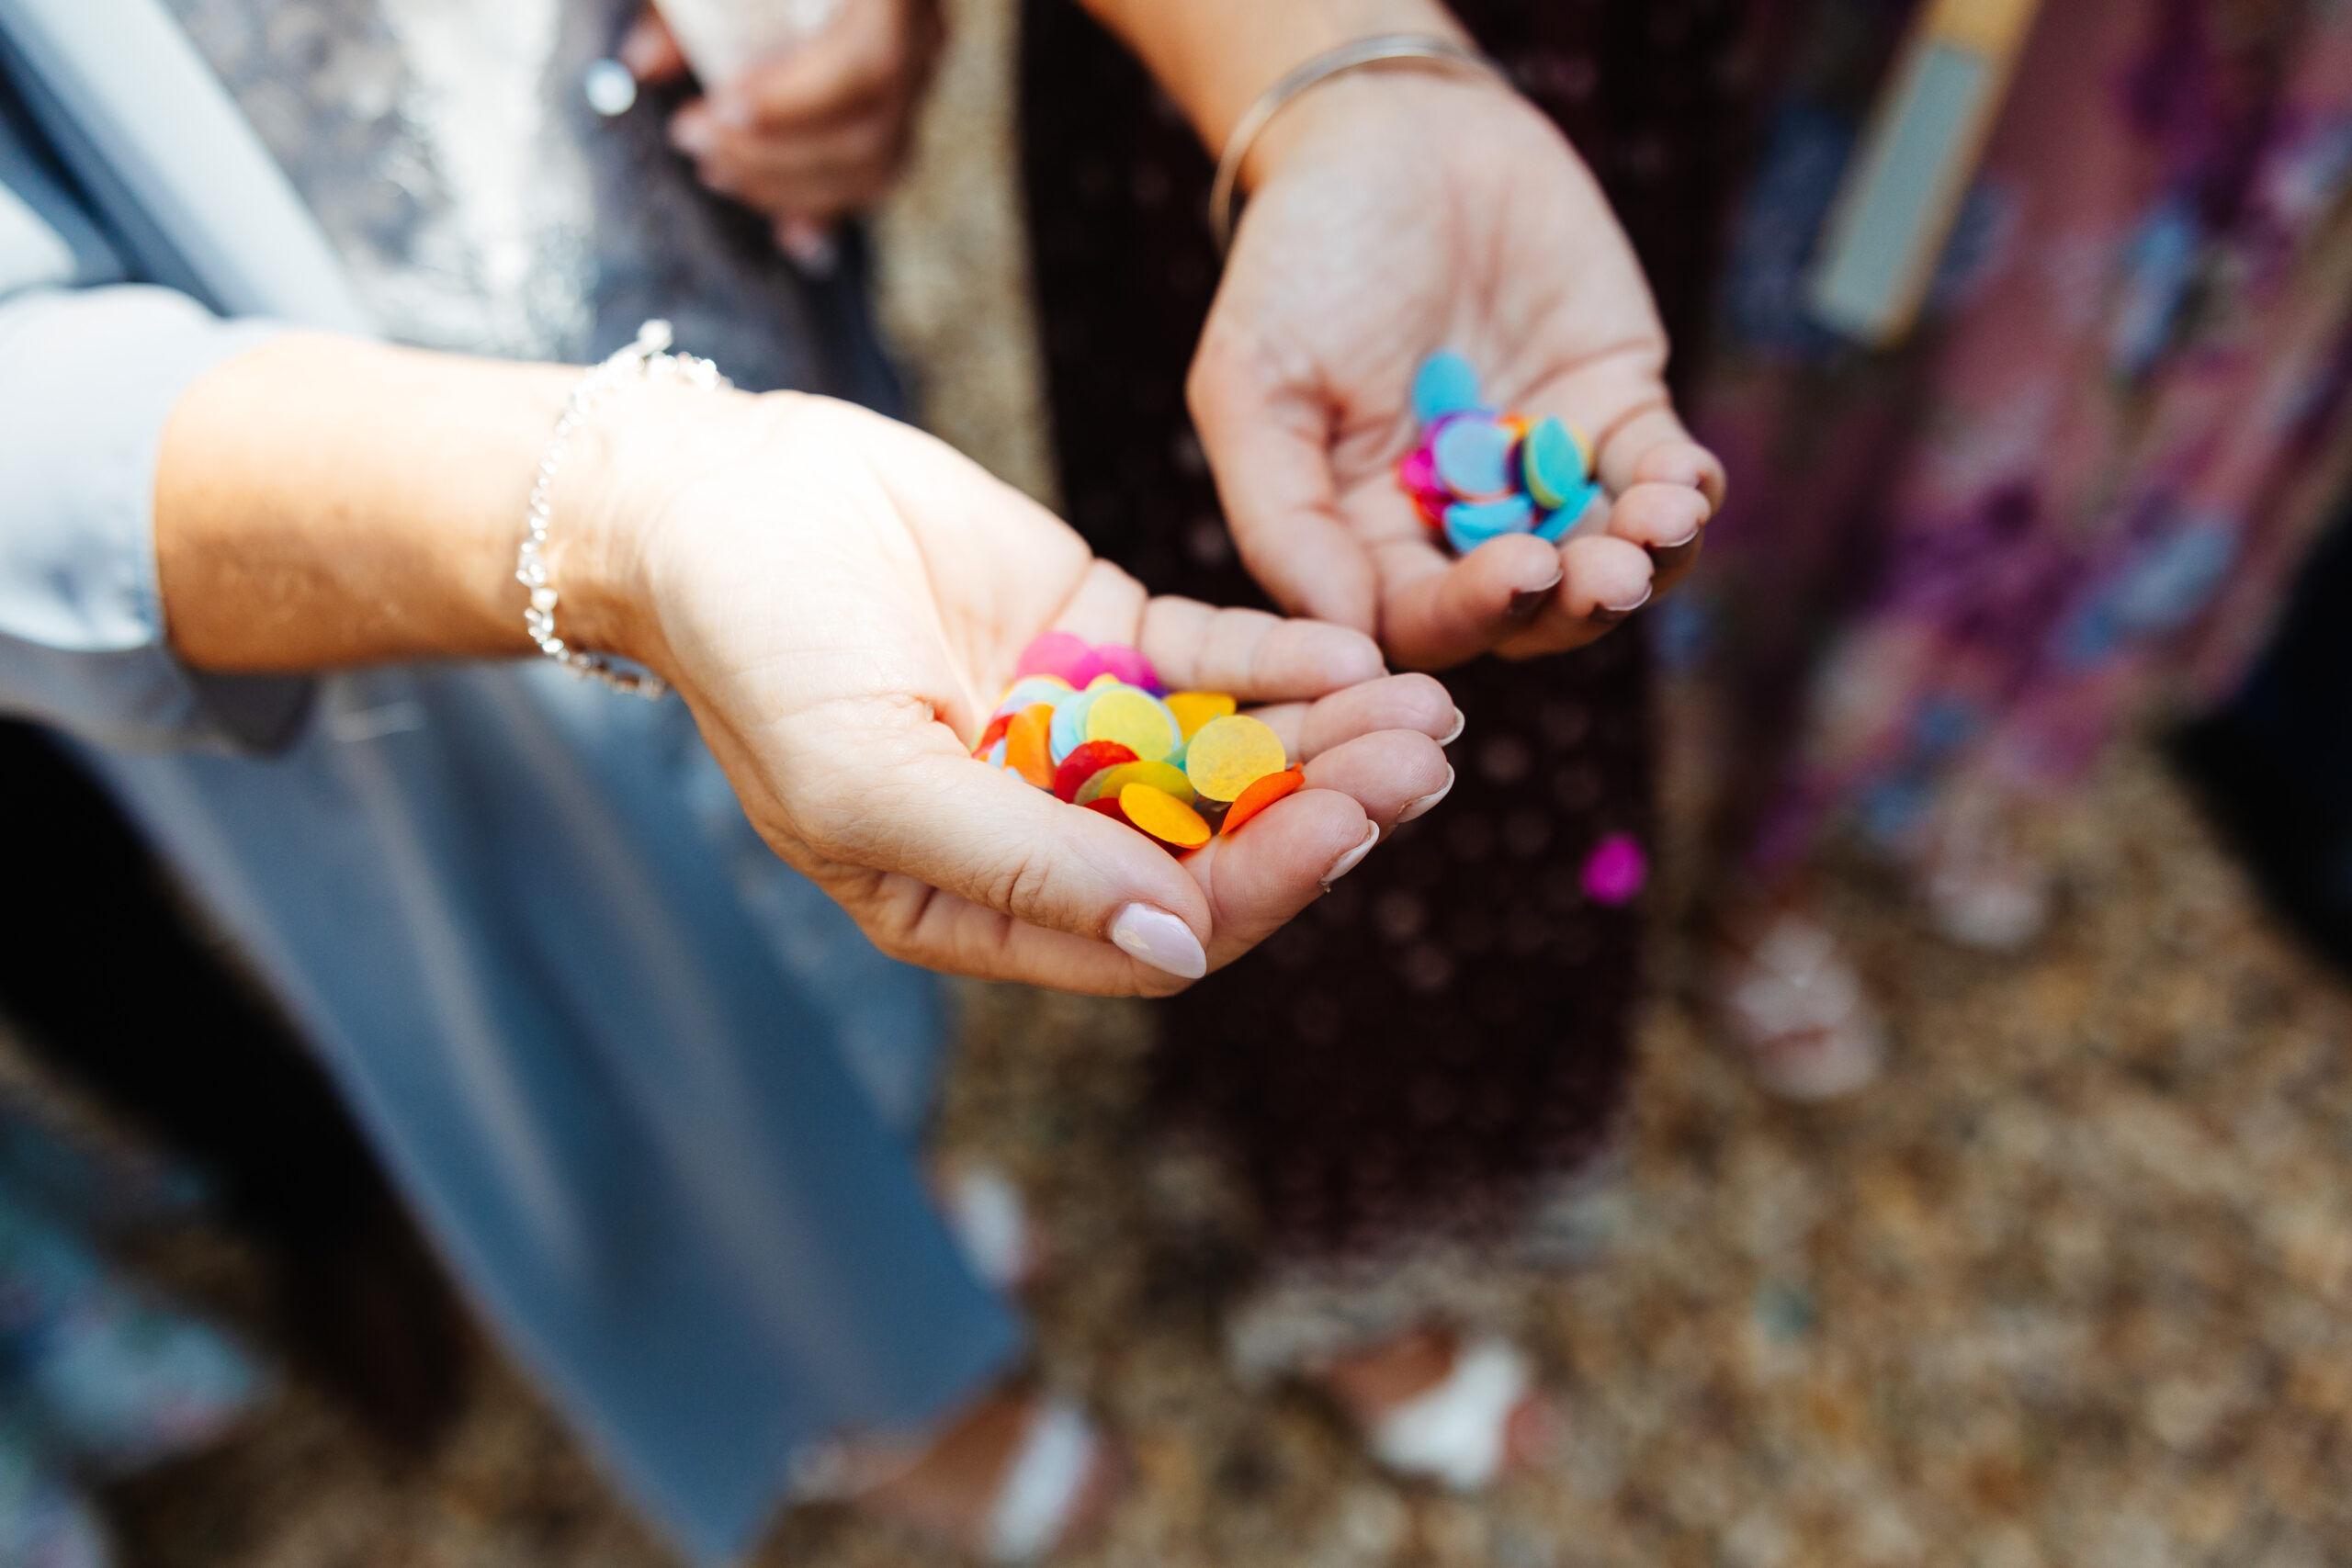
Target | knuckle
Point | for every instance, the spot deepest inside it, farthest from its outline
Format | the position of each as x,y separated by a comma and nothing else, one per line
1023,888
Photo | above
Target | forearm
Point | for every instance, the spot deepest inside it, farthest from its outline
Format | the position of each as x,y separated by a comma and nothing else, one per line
1215,57
323,501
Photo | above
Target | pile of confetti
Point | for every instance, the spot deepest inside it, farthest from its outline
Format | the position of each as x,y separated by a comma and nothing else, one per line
1477,474
1095,726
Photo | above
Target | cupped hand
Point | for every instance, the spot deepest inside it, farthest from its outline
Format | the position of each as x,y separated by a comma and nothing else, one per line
1396,213
842,600
814,133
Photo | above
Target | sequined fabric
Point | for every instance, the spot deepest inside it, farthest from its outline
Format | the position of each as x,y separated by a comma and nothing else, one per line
449,152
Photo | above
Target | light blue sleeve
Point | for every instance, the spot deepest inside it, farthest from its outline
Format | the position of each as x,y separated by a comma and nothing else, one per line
87,379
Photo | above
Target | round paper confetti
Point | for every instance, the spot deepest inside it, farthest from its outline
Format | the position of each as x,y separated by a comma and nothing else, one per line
1163,816
1261,795
1230,754
1132,719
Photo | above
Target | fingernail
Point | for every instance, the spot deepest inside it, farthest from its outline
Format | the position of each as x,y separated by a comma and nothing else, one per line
1421,808
1461,722
1647,589
1354,858
1153,936
692,134
1696,529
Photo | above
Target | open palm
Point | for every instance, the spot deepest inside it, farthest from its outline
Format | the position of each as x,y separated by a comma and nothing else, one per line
1395,214
842,600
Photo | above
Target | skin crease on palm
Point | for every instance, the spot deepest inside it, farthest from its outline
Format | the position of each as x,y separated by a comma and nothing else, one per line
840,657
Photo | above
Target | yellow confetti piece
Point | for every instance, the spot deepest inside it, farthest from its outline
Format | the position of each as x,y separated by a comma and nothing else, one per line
1230,754
1132,719
1193,709
1164,776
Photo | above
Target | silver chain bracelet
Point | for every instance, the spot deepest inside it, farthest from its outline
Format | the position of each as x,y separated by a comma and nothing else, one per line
647,359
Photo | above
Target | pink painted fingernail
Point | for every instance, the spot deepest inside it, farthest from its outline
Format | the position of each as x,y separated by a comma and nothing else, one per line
1421,808
1151,935
1354,858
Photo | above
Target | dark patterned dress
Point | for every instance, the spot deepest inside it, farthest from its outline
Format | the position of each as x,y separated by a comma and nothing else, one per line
1447,1028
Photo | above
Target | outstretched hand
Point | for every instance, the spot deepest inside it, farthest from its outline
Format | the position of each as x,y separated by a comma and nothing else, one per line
840,600
1396,213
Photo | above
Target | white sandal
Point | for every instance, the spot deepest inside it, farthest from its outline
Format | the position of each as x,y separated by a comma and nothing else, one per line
1796,1006
1047,1482
990,1221
1996,903
1042,1489
1457,1432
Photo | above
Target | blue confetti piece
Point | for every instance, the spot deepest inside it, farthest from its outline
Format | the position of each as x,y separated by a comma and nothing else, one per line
1469,524
1445,385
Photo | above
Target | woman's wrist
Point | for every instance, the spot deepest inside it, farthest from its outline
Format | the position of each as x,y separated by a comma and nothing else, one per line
615,502
1215,58
1331,117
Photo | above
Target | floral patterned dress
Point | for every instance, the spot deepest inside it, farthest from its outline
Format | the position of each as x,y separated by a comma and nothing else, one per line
2085,482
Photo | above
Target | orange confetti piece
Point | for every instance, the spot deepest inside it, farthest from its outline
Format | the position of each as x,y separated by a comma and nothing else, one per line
992,734
1262,793
1193,709
1230,754
1163,816
1028,744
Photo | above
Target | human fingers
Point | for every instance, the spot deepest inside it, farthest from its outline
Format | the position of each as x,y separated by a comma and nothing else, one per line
1436,613
1666,520
818,172
650,50
1268,442
1258,879
1602,580
919,924
876,54
1650,446
1256,657
1415,702
1248,888
917,807
1384,772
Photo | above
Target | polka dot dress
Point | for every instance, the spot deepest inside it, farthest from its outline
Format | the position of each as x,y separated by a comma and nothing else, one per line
1449,1027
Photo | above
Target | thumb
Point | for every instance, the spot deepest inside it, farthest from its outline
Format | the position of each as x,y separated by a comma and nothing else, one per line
1269,446
998,844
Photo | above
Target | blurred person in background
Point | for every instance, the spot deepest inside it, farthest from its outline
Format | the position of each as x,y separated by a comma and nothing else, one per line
1954,569
571,954
1414,1082
2274,763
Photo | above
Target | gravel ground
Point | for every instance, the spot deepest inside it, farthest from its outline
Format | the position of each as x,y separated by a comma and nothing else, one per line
2073,1286
2069,1287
